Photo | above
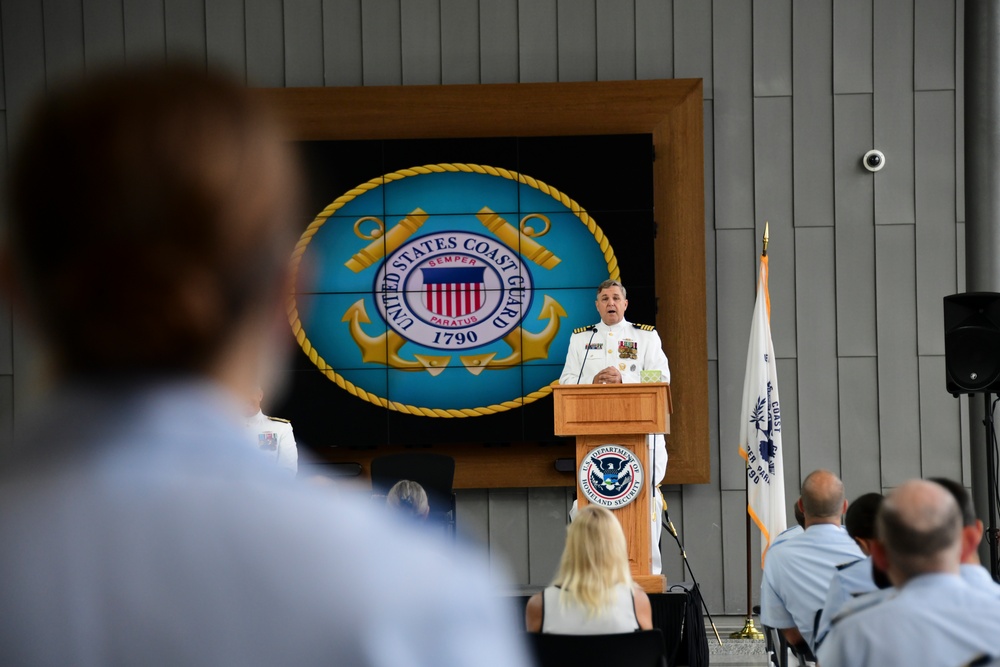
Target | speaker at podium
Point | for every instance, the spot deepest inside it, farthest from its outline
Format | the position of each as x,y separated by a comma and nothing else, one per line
619,417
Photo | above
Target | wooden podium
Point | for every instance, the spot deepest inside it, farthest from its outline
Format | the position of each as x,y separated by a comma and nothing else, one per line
620,415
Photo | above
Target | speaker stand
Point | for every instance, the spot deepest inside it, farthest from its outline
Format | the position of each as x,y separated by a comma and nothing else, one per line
991,484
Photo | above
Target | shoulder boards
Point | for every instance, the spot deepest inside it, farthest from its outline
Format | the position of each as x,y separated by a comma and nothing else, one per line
860,603
279,419
582,329
844,566
644,327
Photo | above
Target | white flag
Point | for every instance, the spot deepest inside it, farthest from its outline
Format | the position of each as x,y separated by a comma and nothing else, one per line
760,425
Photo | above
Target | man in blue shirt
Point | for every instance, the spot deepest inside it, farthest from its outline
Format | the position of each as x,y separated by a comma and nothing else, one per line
797,575
852,580
936,617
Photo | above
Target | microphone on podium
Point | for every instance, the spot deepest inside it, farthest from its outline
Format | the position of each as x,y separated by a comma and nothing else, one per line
593,329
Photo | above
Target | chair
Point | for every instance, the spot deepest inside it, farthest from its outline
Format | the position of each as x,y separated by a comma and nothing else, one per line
778,649
630,649
434,472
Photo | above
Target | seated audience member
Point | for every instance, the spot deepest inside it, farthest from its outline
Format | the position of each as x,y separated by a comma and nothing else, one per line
972,534
153,218
852,579
797,575
409,499
593,592
935,617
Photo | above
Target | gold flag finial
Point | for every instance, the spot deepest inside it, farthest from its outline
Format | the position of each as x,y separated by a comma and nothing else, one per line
765,238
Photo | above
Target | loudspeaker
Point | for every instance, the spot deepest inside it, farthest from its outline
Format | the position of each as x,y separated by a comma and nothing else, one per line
972,342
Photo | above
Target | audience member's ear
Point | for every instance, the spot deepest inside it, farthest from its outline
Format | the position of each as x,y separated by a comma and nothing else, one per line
843,509
880,556
865,544
971,537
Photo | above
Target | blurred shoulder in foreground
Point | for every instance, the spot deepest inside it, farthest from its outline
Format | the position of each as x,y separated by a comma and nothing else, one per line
153,214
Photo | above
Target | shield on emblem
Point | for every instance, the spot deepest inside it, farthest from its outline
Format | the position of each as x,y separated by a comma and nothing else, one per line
453,292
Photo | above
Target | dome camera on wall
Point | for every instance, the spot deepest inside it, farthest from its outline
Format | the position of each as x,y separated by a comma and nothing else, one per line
873,160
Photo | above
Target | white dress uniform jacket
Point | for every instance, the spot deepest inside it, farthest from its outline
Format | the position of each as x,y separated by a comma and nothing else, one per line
275,438
593,349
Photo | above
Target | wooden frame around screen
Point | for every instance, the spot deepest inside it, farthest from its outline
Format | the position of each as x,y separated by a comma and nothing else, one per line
669,110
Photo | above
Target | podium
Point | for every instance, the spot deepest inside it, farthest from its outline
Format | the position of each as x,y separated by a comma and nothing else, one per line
621,415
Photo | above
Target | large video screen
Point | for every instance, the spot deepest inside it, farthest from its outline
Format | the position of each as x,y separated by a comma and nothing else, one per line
443,279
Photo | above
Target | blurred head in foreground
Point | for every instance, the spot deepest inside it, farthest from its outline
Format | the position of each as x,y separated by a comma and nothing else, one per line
594,560
152,220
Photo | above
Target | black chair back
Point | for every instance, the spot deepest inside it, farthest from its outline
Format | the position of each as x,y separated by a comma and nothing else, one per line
630,649
434,472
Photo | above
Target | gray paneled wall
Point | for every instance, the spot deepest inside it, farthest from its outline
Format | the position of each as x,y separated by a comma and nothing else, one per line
795,93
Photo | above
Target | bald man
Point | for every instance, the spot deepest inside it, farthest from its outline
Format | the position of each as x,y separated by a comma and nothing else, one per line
972,534
936,618
797,576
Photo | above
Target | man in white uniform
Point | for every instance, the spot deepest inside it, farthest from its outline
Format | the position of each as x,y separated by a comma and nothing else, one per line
272,435
613,351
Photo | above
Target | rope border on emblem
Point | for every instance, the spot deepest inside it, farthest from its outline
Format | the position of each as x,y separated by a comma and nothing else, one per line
378,181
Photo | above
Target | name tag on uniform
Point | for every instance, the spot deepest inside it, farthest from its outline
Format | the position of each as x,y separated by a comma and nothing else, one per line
595,346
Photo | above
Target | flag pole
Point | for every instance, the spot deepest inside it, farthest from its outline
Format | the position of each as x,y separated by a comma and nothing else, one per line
749,631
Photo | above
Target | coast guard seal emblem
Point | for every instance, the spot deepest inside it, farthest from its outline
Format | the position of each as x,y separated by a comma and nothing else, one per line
611,476
440,290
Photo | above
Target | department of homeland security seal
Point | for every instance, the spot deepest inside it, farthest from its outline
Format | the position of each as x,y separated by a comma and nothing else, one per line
611,476
441,290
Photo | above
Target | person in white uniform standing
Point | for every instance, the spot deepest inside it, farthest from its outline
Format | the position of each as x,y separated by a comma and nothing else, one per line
614,351
273,435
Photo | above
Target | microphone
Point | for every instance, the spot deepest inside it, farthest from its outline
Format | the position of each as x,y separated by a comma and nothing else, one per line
666,513
593,329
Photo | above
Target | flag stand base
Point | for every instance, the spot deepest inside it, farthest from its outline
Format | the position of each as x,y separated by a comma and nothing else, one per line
748,631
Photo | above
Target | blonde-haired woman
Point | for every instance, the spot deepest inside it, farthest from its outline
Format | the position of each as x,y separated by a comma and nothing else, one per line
409,498
593,592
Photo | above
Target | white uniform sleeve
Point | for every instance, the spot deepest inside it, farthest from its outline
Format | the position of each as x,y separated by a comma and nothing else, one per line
576,356
288,453
653,357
